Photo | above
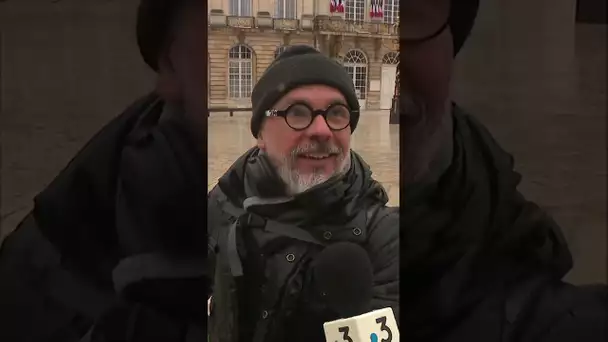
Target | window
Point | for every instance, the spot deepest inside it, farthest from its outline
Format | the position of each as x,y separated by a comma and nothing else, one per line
286,9
355,63
240,72
391,11
241,8
355,10
391,58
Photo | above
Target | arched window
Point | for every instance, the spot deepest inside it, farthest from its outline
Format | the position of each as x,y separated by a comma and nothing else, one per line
241,8
391,11
286,9
355,63
355,10
279,50
240,72
391,58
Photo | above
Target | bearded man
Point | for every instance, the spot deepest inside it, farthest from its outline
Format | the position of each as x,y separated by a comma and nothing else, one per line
304,178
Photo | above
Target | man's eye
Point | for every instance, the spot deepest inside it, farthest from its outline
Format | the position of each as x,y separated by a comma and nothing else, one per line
299,111
338,113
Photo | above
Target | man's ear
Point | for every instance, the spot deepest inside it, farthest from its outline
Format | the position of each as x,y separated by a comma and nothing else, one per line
167,85
261,142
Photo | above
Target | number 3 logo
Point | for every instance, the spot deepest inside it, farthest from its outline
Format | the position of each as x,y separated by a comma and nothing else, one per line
374,338
344,331
385,328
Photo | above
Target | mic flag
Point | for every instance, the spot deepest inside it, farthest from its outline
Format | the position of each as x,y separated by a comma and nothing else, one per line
375,326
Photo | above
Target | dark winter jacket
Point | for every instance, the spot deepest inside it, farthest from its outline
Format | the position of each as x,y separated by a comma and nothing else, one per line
115,248
281,237
481,263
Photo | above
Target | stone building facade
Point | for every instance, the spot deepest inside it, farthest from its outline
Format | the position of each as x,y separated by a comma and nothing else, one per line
245,36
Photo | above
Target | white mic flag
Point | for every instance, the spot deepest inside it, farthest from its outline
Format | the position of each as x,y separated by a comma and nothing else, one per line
375,326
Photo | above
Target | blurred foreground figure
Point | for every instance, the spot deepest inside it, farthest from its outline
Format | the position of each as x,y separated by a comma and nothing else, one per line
478,261
115,248
296,196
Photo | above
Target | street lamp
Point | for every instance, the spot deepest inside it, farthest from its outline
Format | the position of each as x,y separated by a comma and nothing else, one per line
393,45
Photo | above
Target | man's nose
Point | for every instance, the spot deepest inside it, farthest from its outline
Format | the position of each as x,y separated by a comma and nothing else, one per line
319,128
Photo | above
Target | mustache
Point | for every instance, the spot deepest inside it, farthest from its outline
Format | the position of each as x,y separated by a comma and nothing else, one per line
316,147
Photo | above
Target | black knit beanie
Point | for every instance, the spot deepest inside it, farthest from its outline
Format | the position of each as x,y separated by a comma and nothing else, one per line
297,66
462,18
154,20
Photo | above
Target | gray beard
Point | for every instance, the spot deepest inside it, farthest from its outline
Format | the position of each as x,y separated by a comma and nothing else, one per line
297,183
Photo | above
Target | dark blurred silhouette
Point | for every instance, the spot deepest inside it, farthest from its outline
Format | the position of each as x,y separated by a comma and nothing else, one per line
115,247
478,260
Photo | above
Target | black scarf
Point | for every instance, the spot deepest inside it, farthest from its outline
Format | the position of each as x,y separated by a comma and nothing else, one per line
470,232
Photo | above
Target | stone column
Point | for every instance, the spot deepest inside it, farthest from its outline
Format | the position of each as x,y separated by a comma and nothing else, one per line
322,7
219,4
264,6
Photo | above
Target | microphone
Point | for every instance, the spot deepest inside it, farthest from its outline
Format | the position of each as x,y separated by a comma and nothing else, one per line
343,274
338,284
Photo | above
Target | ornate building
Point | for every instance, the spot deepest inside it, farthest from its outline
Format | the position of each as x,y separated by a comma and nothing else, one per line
245,36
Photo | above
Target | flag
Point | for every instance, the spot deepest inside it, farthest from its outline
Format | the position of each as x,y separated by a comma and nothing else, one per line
376,9
336,6
340,6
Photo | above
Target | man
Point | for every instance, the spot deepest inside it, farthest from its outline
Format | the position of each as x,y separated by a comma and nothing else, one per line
298,192
115,247
479,262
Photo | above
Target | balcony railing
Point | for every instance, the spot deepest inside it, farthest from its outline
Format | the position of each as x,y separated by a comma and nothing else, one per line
338,25
240,22
286,24
388,29
325,24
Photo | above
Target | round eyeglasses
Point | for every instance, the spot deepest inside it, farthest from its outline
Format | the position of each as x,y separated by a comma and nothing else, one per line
423,20
299,116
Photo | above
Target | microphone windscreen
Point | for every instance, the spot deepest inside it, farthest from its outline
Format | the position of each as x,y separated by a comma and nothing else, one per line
343,274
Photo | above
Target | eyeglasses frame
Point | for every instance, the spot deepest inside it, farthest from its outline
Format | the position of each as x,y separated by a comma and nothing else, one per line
315,113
